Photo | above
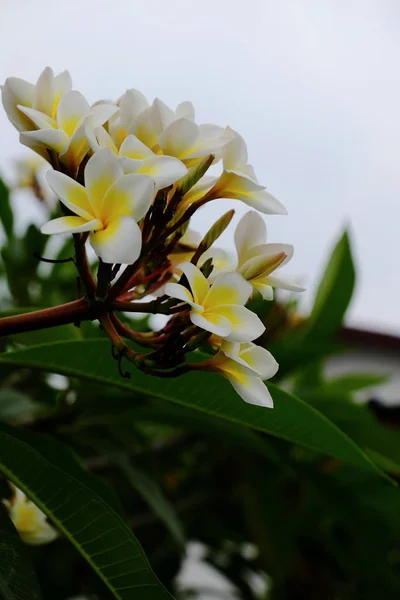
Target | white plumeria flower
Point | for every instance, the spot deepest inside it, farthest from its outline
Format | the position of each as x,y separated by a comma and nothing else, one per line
218,308
246,366
238,180
258,260
30,522
172,133
109,207
190,142
43,96
65,133
136,157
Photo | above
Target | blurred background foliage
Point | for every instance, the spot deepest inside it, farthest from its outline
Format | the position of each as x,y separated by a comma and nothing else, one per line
278,520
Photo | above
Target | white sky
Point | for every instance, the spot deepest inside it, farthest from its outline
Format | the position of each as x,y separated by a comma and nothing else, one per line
312,85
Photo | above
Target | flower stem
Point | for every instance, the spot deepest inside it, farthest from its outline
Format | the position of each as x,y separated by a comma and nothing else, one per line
71,312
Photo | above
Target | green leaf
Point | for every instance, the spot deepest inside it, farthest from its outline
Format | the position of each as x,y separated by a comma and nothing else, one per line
76,503
16,405
291,419
17,577
151,492
6,214
360,423
194,175
355,381
334,292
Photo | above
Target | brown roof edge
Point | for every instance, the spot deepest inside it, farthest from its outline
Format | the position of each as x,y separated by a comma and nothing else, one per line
374,339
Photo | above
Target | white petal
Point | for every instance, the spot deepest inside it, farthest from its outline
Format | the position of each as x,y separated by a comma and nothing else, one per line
175,290
269,250
246,325
132,147
261,266
179,138
266,291
130,165
234,153
213,323
284,283
250,231
190,238
70,225
260,360
100,113
267,204
99,138
161,115
222,260
71,193
40,119
238,186
211,141
203,186
44,92
198,283
17,91
254,391
143,128
248,170
185,110
101,172
131,104
71,110
62,85
76,149
228,288
164,170
119,243
44,535
131,195
44,138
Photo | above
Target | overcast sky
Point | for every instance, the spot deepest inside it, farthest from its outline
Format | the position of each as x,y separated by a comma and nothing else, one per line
312,85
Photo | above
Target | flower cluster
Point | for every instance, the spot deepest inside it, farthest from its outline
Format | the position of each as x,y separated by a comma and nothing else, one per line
129,175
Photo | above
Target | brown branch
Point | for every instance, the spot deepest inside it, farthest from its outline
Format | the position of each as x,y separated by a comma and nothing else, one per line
83,266
71,312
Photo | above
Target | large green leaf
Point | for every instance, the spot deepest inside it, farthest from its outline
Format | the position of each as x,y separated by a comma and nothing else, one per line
292,419
81,509
17,577
151,492
6,214
334,292
359,422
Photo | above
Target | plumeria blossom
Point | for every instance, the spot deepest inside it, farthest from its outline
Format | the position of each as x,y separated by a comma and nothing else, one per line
44,96
30,522
108,207
218,308
136,157
238,180
131,169
246,366
65,133
169,132
258,260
